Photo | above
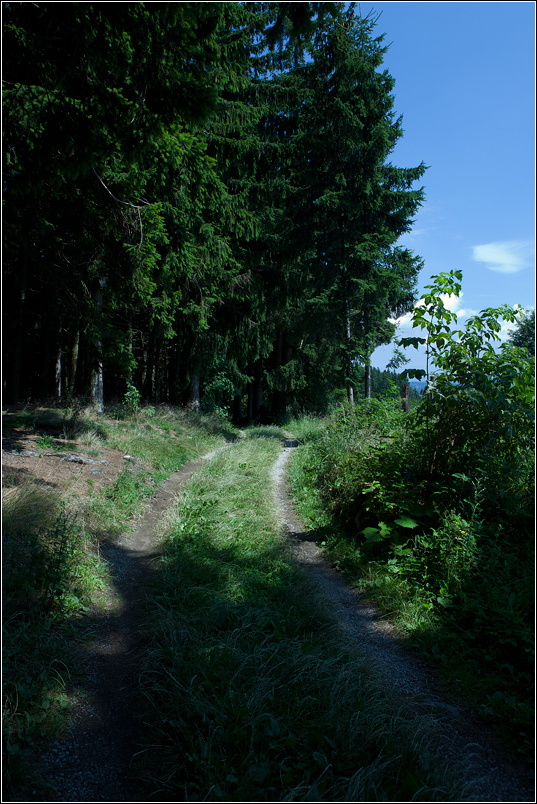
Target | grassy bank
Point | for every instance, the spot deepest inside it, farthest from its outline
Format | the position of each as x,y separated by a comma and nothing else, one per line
52,568
456,578
248,695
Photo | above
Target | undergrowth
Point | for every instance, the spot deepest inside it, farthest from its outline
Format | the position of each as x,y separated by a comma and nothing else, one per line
435,509
52,567
456,581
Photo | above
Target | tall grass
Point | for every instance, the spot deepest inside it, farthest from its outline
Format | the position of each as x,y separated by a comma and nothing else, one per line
456,578
52,568
50,572
249,695
169,437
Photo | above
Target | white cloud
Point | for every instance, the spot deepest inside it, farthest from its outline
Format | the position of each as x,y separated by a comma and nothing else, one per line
451,303
507,257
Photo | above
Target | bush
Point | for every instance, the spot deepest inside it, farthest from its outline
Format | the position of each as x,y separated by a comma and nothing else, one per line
40,544
478,417
438,505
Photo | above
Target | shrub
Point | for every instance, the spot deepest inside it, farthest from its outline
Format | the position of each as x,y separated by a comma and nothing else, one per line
438,505
478,416
40,546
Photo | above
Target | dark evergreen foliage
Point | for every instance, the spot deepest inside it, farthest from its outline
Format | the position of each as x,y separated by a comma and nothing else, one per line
197,201
524,333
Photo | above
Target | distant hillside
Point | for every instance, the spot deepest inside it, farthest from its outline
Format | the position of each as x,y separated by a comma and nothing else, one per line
418,385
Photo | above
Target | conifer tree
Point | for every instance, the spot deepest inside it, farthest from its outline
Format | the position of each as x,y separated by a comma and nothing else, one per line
92,92
197,196
351,202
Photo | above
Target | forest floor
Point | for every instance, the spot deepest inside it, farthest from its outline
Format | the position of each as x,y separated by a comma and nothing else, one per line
69,472
90,760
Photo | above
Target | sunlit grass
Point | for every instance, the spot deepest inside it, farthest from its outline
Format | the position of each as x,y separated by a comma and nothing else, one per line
52,569
250,693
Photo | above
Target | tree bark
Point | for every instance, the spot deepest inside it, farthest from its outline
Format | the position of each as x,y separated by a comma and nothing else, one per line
97,381
258,386
250,392
74,362
58,373
194,394
350,388
405,397
157,375
97,384
367,378
148,385
237,409
17,335
129,341
277,359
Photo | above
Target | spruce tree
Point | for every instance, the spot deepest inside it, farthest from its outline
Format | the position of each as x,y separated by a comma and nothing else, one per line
351,202
91,90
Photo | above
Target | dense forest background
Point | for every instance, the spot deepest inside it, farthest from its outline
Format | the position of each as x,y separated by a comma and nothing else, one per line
199,203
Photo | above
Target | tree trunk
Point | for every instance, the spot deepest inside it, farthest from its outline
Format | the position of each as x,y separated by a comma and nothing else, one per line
148,385
237,409
17,335
257,387
157,375
194,393
73,363
129,343
367,378
250,391
145,357
46,344
97,387
58,373
350,388
405,397
277,357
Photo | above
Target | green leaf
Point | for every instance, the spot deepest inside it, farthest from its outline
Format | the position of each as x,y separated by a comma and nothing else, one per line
399,550
415,342
407,522
372,534
445,601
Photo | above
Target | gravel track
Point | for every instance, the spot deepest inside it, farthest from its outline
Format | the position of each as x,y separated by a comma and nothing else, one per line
91,761
484,771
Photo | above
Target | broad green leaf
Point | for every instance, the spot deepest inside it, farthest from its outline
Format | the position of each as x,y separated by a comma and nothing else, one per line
372,534
407,522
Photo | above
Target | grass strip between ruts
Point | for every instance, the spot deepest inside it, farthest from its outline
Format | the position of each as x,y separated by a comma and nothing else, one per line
248,694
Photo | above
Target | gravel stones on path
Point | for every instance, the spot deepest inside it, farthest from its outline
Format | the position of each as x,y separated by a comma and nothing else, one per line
482,769
91,761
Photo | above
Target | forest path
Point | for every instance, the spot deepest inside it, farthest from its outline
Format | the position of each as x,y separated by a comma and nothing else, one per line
90,761
455,734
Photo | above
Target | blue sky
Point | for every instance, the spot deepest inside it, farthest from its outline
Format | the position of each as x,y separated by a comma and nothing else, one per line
465,84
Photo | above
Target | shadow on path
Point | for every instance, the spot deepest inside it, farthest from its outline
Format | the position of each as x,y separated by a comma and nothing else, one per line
91,761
